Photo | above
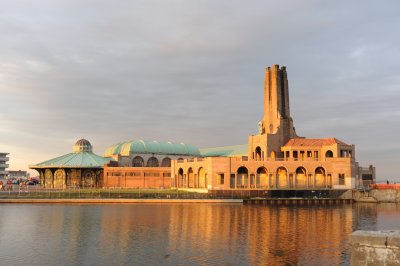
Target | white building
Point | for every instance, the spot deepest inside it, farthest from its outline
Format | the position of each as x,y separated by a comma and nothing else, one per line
3,165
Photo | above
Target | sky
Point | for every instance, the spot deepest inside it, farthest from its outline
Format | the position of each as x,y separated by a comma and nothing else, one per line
192,72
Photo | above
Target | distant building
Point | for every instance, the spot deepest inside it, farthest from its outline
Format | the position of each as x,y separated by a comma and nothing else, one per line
3,165
18,174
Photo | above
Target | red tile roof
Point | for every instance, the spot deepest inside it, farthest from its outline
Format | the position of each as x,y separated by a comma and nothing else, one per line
300,142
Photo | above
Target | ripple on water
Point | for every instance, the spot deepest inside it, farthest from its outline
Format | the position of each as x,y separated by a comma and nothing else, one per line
184,234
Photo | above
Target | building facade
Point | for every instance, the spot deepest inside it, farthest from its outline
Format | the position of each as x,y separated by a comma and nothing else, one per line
276,157
3,165
144,164
81,168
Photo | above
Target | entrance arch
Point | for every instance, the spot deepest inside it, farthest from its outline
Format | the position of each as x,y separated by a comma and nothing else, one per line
48,178
202,178
320,177
301,177
262,178
181,180
242,177
190,178
281,177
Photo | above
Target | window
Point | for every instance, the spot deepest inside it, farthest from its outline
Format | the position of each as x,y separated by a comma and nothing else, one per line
309,154
341,179
220,179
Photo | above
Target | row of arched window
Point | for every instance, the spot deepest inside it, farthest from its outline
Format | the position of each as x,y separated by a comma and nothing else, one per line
138,161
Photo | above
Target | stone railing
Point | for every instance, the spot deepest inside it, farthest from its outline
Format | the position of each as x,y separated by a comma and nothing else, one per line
375,248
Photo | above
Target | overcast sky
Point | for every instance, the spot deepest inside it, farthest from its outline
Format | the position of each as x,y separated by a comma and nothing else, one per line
192,71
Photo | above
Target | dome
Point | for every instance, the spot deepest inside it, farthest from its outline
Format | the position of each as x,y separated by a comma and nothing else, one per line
82,145
152,147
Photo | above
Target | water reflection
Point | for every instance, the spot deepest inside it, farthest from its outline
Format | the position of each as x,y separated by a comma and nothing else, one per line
185,234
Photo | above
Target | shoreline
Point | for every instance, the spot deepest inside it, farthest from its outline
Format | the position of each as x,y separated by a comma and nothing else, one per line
112,201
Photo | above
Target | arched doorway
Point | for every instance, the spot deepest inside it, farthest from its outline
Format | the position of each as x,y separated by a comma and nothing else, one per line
329,154
320,177
258,154
242,179
59,178
138,162
166,162
88,179
301,177
262,178
190,178
152,162
202,178
181,180
48,178
281,177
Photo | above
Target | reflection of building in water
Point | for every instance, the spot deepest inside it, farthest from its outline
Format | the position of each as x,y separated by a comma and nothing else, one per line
267,235
275,158
81,168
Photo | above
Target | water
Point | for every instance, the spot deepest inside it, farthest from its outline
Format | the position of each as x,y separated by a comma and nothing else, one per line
185,234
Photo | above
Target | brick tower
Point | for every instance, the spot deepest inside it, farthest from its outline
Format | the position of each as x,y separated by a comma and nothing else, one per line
276,127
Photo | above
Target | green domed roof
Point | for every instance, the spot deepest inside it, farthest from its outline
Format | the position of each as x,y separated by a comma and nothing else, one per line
143,146
82,157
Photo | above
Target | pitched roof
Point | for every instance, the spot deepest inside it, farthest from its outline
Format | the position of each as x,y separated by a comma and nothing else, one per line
83,159
237,150
302,142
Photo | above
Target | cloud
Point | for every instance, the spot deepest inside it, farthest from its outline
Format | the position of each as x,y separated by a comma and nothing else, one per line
193,72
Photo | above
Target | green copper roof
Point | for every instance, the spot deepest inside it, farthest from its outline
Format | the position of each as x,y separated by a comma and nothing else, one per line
156,147
230,151
84,159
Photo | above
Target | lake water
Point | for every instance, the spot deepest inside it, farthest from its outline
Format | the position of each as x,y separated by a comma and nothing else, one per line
185,234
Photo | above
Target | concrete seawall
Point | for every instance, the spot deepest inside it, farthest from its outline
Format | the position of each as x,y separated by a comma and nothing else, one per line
377,195
375,248
107,201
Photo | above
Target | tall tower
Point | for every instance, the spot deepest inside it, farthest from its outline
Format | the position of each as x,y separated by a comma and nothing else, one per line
276,127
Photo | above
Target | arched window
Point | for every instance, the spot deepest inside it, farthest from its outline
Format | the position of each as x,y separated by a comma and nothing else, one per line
166,162
258,154
138,162
190,178
329,154
152,162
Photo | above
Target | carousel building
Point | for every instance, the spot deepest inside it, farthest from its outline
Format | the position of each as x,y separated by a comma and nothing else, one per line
81,168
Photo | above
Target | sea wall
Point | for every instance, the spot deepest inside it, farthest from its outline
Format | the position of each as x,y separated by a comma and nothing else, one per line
377,195
375,248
